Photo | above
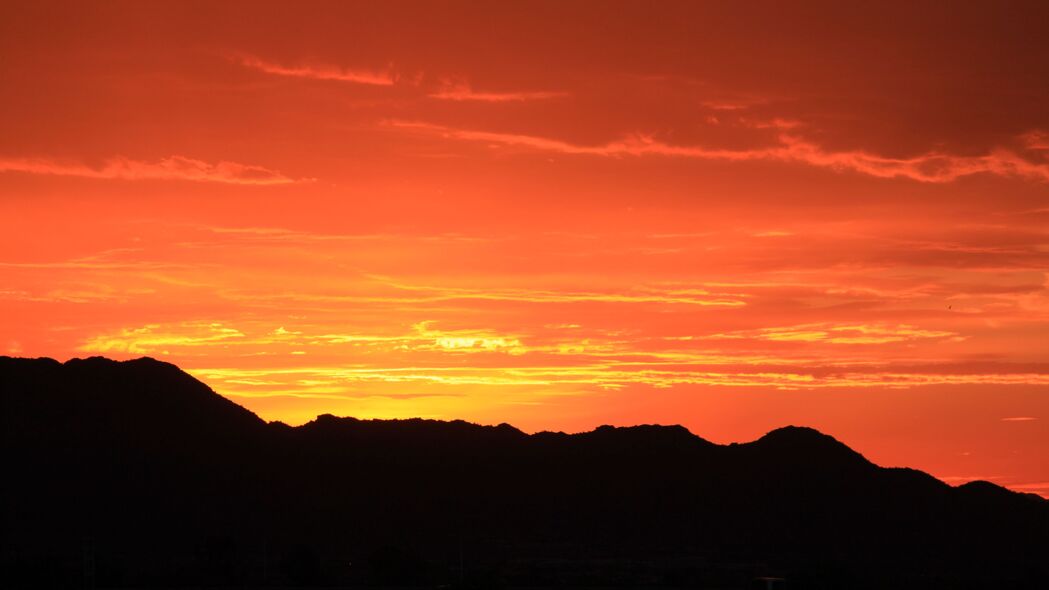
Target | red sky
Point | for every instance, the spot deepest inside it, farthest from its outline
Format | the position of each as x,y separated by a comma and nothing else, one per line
558,215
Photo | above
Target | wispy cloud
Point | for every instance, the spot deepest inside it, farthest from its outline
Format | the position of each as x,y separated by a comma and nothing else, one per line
463,92
445,294
319,72
1036,140
1038,487
837,334
171,168
933,167
198,335
1019,419
153,338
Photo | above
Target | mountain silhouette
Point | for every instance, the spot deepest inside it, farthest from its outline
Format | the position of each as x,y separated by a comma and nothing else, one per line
135,474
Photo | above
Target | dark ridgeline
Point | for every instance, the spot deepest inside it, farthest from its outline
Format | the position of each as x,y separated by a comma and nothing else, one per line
136,474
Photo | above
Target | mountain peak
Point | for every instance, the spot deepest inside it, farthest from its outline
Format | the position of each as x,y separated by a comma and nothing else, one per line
797,434
804,434
140,394
801,444
648,433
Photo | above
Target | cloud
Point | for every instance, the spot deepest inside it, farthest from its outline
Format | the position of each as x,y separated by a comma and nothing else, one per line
518,295
187,337
319,72
837,334
1019,419
929,167
932,167
171,168
606,374
463,92
1039,487
468,341
1036,140
155,338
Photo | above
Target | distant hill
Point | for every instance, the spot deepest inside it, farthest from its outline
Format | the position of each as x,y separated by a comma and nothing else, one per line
135,474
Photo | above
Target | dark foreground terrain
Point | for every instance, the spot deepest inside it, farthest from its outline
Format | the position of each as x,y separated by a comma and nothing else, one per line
135,474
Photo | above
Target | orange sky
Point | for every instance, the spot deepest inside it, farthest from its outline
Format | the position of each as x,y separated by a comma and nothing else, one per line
557,215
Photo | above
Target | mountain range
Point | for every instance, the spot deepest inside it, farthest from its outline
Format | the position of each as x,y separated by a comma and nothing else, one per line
135,474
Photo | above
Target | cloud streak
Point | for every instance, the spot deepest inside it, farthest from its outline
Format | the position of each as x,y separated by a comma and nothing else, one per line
931,167
319,72
837,334
464,93
171,168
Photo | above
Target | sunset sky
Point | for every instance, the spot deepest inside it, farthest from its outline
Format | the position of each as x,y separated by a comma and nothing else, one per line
732,216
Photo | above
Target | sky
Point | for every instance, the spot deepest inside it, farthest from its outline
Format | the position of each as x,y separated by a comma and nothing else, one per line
731,216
